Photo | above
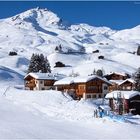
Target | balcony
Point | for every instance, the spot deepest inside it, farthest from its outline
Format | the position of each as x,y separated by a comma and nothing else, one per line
30,85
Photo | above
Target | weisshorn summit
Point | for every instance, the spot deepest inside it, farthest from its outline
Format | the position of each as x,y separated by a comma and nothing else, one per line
81,47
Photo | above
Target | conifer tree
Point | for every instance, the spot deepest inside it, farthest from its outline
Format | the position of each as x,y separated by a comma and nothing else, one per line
138,50
39,64
31,65
137,79
99,73
47,65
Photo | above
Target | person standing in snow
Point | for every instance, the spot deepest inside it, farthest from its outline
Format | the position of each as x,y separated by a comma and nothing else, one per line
96,113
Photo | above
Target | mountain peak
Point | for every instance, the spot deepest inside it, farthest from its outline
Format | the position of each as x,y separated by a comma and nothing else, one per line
36,16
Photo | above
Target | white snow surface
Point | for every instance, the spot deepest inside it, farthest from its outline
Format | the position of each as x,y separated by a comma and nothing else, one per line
53,115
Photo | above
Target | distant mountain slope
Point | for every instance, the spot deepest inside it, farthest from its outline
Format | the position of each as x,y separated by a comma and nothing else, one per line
8,75
40,31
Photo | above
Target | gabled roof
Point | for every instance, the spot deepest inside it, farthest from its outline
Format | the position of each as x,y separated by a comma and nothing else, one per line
124,94
83,79
129,80
64,81
116,81
79,79
45,76
118,73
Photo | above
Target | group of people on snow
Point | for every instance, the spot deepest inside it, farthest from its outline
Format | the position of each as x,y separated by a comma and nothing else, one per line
99,113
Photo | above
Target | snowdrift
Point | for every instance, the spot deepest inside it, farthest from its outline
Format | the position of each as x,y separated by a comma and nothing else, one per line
52,103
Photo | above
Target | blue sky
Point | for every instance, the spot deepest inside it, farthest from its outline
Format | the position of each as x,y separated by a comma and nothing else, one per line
116,15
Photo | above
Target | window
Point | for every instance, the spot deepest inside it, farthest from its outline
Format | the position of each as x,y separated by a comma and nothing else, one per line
47,83
93,96
88,96
129,87
92,88
99,96
81,87
41,82
105,88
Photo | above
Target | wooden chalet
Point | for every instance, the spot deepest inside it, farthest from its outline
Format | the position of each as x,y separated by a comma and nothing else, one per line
83,87
128,84
40,81
115,85
124,101
117,76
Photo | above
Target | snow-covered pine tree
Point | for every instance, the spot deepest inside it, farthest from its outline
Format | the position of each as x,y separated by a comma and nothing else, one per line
99,72
42,64
47,65
138,50
137,79
94,72
39,64
31,65
74,74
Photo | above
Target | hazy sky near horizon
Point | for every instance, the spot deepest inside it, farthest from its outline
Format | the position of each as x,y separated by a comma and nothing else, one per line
116,15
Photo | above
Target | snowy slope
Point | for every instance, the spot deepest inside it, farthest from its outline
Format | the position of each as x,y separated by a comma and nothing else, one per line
52,115
40,31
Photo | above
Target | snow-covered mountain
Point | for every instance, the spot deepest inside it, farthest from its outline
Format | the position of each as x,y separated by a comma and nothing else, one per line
40,31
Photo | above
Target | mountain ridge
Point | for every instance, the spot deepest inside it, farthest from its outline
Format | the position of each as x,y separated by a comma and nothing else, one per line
40,31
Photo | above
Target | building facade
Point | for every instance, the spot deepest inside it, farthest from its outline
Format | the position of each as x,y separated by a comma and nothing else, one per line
40,81
123,102
83,87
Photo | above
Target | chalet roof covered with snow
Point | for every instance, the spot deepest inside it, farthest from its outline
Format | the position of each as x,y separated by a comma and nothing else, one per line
118,73
129,80
44,76
79,79
83,79
116,81
65,81
124,94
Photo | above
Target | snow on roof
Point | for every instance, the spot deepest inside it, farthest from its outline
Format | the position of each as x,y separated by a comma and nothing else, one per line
79,79
44,76
116,81
124,94
65,81
119,73
129,80
83,79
